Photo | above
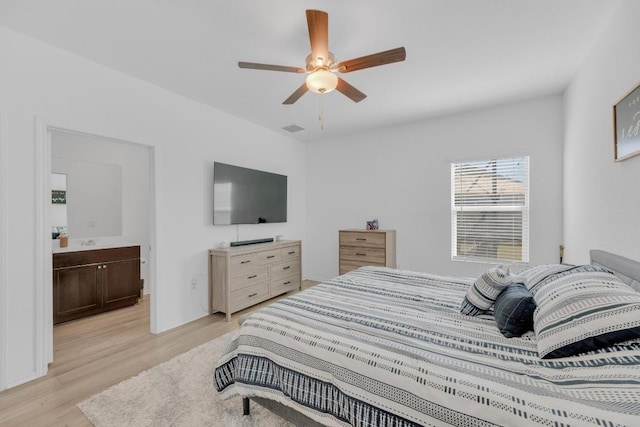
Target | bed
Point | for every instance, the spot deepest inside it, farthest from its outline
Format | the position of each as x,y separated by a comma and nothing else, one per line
385,347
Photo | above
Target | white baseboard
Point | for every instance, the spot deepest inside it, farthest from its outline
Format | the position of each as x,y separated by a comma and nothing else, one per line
314,279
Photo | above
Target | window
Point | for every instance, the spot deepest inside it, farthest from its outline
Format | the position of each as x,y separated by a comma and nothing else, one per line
490,210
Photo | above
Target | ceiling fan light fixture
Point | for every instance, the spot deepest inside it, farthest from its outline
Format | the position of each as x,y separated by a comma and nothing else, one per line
322,81
321,66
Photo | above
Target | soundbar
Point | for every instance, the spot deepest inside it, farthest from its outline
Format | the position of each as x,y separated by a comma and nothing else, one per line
252,242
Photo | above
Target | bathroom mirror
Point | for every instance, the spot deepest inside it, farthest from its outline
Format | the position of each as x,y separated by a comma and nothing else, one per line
93,196
58,204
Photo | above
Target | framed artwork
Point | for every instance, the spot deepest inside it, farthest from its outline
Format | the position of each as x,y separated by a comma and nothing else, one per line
626,125
59,197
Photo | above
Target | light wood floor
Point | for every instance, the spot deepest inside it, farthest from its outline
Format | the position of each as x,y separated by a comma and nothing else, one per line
93,354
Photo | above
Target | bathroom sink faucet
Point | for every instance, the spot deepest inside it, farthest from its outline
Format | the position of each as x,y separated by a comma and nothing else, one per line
87,242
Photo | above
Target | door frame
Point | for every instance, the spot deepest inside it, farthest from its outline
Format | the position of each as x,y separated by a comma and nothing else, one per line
43,261
3,251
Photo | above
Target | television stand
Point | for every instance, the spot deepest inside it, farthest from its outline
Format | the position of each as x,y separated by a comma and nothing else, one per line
252,242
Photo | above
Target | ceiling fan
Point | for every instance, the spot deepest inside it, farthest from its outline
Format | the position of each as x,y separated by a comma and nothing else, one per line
321,66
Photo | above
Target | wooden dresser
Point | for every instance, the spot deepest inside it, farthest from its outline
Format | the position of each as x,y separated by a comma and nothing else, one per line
367,247
242,276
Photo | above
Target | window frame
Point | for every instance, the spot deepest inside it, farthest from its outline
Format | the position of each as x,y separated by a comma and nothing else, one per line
523,208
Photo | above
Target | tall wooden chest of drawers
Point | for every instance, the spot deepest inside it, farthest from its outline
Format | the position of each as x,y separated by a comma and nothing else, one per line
242,276
367,247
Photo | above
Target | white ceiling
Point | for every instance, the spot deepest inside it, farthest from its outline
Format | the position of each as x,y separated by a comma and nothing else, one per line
461,54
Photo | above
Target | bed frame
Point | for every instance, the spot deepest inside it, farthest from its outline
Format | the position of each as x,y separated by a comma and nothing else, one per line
626,269
284,411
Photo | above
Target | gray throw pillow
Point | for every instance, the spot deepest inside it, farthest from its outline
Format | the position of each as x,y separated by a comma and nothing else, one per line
513,310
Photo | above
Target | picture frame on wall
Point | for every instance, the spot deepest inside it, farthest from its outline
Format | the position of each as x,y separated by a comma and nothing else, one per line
626,125
59,197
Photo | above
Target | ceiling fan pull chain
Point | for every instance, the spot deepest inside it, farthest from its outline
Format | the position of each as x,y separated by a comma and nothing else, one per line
321,112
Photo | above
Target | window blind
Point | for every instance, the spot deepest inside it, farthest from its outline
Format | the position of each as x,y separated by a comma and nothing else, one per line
490,210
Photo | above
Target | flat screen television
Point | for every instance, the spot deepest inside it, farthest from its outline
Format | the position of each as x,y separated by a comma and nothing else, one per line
248,196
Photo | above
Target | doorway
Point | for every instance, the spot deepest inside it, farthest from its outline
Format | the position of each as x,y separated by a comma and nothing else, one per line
107,190
73,153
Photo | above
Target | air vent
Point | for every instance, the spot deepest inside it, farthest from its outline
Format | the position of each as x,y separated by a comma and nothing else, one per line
293,128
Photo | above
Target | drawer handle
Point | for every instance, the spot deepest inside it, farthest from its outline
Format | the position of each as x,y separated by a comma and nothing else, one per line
245,262
252,277
287,283
361,238
271,256
252,295
360,254
287,267
99,267
292,252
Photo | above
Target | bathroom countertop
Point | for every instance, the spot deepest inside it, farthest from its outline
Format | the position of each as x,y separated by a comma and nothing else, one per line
90,244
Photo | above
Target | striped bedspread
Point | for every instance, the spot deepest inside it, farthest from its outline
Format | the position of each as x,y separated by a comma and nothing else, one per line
383,347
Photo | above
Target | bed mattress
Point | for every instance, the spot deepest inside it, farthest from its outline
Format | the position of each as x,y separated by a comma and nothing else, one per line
384,347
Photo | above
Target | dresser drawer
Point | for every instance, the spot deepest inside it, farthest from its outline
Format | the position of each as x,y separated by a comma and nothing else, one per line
362,239
268,257
285,284
245,297
249,277
246,261
347,266
255,258
284,269
290,253
368,256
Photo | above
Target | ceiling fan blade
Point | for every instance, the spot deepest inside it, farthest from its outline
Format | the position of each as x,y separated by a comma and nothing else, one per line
318,23
269,67
380,58
349,91
296,95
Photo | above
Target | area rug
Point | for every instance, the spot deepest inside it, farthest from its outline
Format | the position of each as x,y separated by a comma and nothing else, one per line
179,392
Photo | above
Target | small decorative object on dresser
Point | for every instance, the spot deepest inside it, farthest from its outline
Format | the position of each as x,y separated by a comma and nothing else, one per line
242,276
367,247
373,225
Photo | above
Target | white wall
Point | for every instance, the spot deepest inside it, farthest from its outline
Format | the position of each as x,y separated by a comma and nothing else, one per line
401,176
69,92
602,197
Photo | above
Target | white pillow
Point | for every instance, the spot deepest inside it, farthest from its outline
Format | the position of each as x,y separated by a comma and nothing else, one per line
585,308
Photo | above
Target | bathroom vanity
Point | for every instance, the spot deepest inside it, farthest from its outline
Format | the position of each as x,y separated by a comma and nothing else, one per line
92,279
